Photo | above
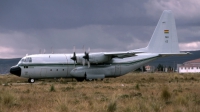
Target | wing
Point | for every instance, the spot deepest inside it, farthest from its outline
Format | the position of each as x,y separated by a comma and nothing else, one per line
122,54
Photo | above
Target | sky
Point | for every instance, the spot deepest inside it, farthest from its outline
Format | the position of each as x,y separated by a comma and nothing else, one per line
34,26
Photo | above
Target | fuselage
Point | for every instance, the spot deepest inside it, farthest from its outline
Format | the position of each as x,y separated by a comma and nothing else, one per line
61,65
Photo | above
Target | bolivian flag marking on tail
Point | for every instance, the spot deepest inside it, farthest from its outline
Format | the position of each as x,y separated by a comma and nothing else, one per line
166,31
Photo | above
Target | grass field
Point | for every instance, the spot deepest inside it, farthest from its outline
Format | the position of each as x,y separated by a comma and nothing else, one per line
134,92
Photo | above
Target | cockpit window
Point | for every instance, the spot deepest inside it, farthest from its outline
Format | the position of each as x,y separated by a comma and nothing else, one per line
27,59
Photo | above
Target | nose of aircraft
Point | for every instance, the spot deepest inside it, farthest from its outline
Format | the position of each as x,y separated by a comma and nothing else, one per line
16,70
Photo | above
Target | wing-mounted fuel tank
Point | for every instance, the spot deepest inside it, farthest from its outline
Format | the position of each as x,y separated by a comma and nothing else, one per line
99,72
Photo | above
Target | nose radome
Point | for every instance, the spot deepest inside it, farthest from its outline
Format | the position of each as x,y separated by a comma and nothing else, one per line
16,70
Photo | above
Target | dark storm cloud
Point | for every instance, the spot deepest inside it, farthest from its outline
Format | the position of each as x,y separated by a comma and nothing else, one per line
61,14
27,26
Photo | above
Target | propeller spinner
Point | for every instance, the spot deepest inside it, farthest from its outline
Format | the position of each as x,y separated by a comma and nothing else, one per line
74,57
87,57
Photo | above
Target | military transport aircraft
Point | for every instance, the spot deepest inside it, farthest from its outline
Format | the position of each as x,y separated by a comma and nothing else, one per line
164,42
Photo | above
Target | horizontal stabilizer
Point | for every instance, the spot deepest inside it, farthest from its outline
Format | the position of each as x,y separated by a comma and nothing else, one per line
178,54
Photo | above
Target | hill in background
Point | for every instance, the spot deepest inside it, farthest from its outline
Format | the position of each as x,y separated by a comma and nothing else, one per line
5,64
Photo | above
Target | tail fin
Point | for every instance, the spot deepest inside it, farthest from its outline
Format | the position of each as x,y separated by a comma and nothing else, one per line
164,39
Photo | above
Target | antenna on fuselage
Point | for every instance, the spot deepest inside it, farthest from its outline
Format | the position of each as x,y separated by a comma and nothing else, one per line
44,51
52,50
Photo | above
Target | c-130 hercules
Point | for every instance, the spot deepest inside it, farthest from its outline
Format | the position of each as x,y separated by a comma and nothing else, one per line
164,42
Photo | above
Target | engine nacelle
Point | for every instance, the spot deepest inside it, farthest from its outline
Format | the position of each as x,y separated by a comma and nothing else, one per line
96,58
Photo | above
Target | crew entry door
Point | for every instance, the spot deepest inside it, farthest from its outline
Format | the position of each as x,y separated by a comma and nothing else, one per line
28,71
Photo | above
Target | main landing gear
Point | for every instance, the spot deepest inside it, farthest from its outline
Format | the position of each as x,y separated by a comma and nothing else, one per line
30,80
80,79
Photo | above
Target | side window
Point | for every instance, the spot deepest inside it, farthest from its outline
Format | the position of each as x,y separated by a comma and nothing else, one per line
30,60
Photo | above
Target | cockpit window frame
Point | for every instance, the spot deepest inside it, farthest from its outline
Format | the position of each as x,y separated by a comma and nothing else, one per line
25,60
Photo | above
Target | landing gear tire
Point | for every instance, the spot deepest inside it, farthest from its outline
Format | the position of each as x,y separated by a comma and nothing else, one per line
30,80
80,79
89,79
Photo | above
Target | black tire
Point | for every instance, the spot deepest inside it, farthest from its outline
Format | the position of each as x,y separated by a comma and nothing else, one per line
89,79
31,80
80,79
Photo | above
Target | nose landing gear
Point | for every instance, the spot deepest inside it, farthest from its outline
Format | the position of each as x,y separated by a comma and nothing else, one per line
31,80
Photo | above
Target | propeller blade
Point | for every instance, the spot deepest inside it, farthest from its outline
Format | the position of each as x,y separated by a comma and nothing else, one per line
83,61
74,50
74,64
52,50
76,60
83,48
88,64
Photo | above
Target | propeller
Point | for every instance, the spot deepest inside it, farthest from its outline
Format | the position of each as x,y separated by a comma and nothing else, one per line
74,56
52,50
87,57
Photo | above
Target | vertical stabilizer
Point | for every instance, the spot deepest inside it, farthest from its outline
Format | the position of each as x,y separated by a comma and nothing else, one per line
164,38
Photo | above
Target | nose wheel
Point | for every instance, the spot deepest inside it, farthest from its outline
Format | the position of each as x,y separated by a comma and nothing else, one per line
30,80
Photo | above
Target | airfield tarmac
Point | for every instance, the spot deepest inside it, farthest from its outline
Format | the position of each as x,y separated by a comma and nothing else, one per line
145,92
